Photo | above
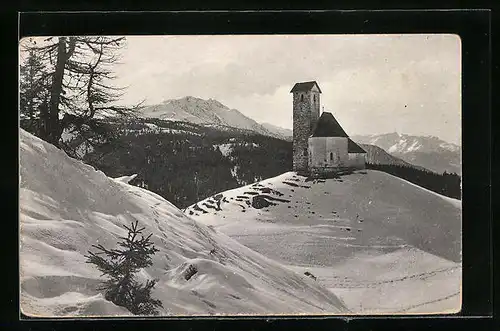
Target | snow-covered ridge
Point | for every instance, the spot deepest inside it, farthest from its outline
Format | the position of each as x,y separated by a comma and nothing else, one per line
285,133
206,112
450,147
376,155
382,244
153,128
429,152
66,206
403,143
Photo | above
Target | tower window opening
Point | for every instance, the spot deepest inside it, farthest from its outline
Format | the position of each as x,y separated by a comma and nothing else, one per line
301,97
331,156
314,98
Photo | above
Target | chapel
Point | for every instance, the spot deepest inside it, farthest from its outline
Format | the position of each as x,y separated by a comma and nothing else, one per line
320,144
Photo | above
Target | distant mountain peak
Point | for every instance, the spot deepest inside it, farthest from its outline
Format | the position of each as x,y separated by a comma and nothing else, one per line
429,151
206,112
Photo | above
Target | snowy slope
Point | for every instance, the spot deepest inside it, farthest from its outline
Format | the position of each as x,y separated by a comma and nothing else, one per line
287,134
376,155
382,244
66,206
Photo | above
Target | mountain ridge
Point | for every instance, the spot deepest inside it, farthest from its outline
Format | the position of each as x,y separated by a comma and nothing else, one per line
429,152
207,112
394,142
284,132
377,155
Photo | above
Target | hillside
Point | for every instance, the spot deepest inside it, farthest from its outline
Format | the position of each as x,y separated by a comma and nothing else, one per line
66,206
286,134
206,112
185,162
429,152
380,243
376,155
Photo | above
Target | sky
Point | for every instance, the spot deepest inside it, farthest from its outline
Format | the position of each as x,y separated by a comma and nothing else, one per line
372,84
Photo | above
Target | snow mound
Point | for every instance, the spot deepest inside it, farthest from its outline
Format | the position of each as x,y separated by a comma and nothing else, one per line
367,236
126,179
193,271
66,206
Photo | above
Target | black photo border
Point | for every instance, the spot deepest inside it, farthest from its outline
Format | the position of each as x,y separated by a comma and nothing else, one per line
474,29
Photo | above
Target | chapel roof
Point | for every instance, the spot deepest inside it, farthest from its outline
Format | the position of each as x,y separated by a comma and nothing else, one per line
305,86
327,126
352,147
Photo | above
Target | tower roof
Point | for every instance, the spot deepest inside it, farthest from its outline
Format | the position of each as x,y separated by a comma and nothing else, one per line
352,147
305,87
327,126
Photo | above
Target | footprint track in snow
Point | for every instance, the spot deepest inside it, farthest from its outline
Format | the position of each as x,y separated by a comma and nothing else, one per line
345,282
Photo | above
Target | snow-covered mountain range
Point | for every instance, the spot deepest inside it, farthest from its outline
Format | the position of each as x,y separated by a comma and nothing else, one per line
427,151
380,243
211,113
403,143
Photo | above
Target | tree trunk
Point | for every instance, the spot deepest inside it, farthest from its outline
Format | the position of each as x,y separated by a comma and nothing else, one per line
52,122
52,119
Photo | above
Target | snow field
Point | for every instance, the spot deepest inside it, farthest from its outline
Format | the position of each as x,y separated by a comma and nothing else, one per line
66,206
382,244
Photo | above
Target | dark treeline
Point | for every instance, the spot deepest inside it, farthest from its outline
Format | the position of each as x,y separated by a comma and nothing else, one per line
447,184
185,164
259,157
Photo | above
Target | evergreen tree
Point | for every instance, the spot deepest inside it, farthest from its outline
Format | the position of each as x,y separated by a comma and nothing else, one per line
121,265
186,167
80,94
33,90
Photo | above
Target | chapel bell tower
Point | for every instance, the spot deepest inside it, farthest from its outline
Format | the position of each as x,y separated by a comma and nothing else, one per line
306,105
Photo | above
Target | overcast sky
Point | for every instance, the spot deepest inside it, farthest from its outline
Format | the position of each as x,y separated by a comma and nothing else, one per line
371,83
